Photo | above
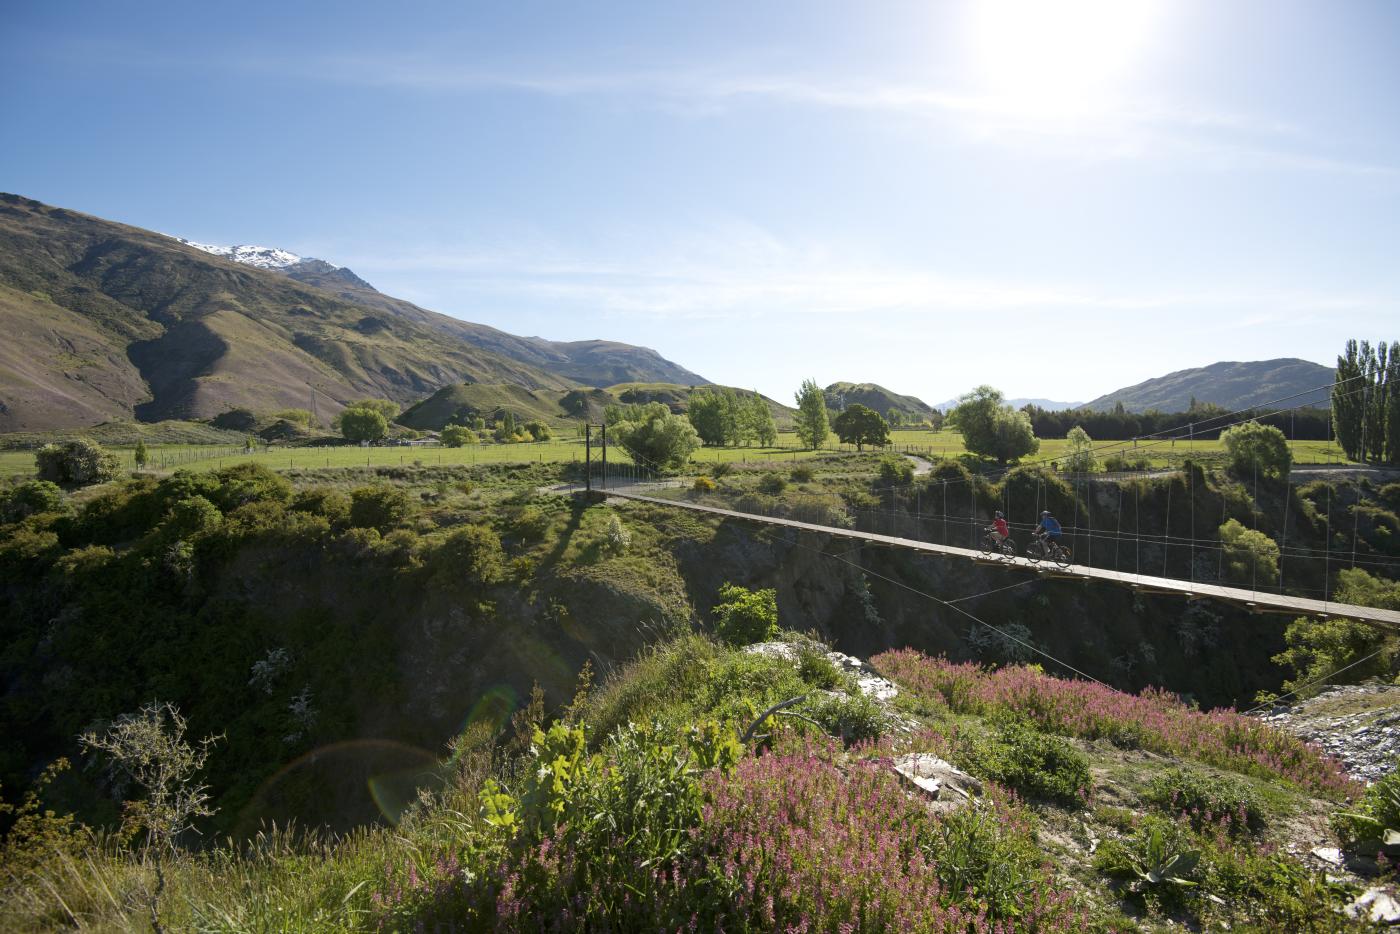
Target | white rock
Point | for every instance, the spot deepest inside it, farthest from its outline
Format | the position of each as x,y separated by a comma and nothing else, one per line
932,774
1377,905
1329,854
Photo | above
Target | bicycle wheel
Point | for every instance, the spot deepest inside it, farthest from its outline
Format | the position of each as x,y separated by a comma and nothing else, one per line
1035,550
1008,549
1062,556
987,545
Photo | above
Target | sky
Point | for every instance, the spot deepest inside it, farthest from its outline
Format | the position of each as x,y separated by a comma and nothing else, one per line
1056,198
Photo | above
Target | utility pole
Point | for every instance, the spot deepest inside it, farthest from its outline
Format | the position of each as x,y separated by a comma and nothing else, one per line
587,457
604,429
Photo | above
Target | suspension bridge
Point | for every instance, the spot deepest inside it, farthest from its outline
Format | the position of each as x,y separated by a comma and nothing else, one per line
641,482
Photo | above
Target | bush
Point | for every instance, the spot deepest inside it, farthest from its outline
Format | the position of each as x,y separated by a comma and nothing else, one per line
537,430
75,463
377,507
241,484
746,616
815,668
896,471
1205,799
721,469
801,474
656,438
190,517
772,484
1375,823
1251,557
470,555
1015,753
617,539
853,718
30,498
323,501
1160,857
529,523
703,484
1253,446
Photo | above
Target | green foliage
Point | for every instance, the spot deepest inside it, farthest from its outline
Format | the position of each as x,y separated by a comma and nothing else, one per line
1079,458
896,471
1206,798
772,484
362,423
455,436
617,539
188,518
860,426
746,616
537,430
471,555
703,484
1251,557
378,507
1255,447
811,421
815,668
979,851
992,429
800,473
323,501
1016,754
140,455
75,463
1374,825
656,438
1160,856
853,718
30,498
36,836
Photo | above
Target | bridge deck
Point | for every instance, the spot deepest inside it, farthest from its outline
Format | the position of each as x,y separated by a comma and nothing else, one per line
1258,601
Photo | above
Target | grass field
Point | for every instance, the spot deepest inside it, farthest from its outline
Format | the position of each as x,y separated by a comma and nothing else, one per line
930,443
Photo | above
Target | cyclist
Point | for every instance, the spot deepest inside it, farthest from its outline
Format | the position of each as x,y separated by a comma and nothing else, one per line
1000,530
1049,528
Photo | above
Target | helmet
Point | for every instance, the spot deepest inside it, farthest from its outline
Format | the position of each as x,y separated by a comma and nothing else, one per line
1045,513
999,514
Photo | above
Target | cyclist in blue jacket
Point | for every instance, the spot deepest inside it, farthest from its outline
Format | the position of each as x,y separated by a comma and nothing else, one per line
1049,527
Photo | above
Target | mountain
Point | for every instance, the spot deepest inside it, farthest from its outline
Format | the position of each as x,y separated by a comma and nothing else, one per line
459,403
590,363
104,321
872,396
1232,385
1049,405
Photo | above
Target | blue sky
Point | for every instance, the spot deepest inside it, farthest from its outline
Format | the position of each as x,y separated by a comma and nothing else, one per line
1057,198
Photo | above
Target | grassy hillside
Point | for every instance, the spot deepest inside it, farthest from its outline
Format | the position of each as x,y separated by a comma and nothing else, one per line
870,395
104,321
589,363
1230,385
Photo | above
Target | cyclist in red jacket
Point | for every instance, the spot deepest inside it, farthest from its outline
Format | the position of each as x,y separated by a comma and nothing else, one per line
1000,530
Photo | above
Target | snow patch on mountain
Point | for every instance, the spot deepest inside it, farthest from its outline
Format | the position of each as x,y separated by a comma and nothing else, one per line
262,257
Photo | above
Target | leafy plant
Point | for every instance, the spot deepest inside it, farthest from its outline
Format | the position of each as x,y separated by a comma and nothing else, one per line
1374,826
75,463
1205,798
746,616
772,484
1015,753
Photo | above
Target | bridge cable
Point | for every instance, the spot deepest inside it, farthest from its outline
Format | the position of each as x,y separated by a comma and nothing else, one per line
953,606
1316,681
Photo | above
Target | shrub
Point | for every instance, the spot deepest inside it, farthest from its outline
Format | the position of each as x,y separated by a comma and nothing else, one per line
1160,857
815,668
896,471
702,484
801,474
853,718
362,424
1206,799
1253,446
721,469
190,517
1375,823
377,507
772,484
470,555
617,539
537,430
746,616
530,523
656,438
1015,753
246,483
75,463
30,498
323,501
1250,555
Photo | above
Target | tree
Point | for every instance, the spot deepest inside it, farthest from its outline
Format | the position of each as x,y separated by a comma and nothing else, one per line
746,616
360,424
1253,446
812,426
1250,555
706,414
537,430
759,420
860,426
377,507
140,455
1348,395
654,437
991,428
454,436
30,498
895,417
1079,458
75,463
150,747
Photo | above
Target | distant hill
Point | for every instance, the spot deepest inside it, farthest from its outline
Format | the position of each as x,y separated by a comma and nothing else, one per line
590,363
461,402
1049,405
873,396
1231,385
106,322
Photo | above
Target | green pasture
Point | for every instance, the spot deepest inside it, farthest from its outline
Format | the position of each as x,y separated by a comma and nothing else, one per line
946,444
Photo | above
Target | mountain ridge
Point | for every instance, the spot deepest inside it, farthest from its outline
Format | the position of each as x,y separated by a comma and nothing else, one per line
1231,384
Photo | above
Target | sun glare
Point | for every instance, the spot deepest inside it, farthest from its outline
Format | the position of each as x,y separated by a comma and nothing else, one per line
1058,59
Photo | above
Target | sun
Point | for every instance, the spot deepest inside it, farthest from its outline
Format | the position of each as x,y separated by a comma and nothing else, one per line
1058,58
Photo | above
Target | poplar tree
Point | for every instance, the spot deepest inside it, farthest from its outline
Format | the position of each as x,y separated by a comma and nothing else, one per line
812,426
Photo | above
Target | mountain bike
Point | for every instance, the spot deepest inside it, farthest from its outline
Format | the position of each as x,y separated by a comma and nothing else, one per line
1042,548
990,546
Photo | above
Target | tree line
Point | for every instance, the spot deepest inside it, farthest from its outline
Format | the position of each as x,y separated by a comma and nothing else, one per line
1203,421
1366,402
